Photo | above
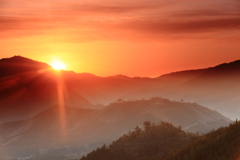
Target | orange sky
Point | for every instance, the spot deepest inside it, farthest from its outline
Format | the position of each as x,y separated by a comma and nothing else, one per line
134,38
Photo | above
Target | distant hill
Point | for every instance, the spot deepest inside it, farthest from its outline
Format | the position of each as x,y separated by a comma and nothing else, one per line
159,109
167,142
182,76
214,87
217,88
21,78
105,90
27,87
75,131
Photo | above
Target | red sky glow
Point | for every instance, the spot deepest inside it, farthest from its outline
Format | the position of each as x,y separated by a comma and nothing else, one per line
134,38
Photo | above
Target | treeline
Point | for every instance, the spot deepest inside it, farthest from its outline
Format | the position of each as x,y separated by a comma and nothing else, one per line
151,142
166,142
147,101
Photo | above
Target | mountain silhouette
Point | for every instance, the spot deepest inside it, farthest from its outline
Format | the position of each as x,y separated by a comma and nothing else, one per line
28,87
32,86
17,65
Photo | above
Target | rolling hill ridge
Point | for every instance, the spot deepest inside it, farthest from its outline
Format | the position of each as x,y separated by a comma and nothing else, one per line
83,130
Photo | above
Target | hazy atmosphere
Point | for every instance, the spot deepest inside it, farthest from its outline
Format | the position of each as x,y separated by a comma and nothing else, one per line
119,80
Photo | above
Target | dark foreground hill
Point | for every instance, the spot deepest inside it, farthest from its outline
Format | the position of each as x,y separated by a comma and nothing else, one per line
154,141
222,144
165,142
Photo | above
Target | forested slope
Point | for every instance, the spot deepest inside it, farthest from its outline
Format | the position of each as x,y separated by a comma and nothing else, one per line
166,142
222,144
154,141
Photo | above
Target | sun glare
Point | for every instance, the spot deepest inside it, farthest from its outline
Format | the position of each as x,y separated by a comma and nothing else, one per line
58,65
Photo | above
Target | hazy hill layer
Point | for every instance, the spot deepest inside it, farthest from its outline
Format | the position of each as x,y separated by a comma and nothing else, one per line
75,131
217,88
28,87
105,90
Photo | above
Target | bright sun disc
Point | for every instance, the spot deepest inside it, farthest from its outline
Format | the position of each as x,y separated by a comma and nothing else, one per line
58,65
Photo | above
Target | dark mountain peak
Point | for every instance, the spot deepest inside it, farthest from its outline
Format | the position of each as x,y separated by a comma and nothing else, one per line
184,73
20,59
219,73
15,58
235,65
218,70
18,64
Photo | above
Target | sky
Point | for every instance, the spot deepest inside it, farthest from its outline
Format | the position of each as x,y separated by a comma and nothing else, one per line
144,38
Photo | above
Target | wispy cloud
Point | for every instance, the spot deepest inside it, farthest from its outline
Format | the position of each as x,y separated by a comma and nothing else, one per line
207,13
110,9
186,26
97,21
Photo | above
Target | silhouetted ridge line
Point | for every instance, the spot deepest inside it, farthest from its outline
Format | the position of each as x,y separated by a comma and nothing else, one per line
18,64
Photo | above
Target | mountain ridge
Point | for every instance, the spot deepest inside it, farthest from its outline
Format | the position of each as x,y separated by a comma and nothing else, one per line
19,64
190,85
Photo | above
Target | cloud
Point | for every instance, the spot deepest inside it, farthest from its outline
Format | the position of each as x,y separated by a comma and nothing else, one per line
7,23
205,13
13,26
106,10
2,2
109,9
185,26
117,21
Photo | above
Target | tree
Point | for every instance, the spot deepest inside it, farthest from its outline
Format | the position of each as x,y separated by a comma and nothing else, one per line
147,125
138,130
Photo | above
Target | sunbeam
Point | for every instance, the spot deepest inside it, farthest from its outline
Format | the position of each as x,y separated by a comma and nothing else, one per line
61,103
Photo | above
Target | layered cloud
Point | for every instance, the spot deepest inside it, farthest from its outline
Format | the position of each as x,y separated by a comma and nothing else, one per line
108,19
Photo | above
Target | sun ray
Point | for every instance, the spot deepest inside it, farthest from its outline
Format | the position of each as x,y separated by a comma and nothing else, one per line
61,104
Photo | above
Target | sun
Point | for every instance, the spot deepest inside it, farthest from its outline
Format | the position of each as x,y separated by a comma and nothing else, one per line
58,65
